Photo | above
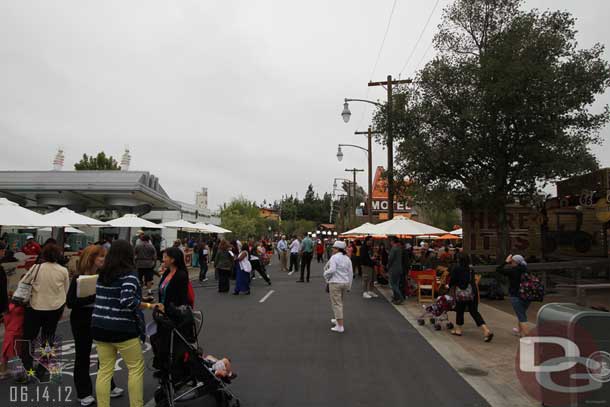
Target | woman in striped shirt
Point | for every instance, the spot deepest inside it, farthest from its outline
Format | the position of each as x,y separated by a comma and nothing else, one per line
117,323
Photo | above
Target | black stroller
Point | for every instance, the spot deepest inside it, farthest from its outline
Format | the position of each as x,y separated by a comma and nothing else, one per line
179,365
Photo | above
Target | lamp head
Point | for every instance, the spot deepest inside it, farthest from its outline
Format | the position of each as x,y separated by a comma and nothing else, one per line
339,156
346,114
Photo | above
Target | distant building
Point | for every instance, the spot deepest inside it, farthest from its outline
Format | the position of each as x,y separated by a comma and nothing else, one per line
269,213
201,199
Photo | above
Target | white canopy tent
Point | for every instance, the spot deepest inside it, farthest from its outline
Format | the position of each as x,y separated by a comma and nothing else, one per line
217,229
404,226
11,214
64,217
203,228
179,224
133,221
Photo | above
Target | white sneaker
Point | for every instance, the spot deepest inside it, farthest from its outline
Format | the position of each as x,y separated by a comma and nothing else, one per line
366,295
338,329
116,392
333,321
87,401
372,294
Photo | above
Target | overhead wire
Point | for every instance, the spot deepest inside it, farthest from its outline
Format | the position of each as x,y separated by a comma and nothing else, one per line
421,34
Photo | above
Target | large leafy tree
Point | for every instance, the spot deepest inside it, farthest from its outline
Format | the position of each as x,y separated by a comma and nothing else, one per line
242,217
502,109
99,162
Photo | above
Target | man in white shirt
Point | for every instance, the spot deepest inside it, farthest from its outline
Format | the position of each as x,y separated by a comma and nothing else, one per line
295,248
282,249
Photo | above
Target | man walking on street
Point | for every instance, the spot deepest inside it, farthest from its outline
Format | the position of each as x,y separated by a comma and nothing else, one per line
395,271
368,271
295,247
282,250
306,257
146,260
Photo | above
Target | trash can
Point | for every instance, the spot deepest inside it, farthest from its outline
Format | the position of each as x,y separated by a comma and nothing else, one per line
581,376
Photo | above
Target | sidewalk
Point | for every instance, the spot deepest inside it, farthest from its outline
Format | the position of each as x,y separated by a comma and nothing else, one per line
488,367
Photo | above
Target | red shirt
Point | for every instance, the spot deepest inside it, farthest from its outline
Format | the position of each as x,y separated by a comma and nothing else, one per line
31,249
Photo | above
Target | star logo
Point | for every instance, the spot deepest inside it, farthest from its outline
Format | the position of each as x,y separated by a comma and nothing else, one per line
31,373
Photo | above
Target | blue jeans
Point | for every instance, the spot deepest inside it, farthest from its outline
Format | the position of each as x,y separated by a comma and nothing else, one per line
520,307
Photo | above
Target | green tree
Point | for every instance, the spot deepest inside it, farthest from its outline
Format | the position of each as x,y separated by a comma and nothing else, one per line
502,109
99,162
242,217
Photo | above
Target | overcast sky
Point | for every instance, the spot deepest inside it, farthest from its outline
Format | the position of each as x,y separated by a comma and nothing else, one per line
242,97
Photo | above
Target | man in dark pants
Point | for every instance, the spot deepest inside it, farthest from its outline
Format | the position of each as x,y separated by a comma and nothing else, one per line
306,257
407,259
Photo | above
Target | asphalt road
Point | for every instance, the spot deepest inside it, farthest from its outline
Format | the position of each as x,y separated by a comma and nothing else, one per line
285,354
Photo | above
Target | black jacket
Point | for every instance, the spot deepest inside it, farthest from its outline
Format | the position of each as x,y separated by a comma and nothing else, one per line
365,256
81,307
176,293
514,278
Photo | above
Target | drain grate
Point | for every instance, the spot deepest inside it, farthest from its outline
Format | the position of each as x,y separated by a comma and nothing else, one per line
472,371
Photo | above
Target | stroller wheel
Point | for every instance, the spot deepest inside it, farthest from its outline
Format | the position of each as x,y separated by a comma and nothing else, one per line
437,327
433,320
449,325
421,322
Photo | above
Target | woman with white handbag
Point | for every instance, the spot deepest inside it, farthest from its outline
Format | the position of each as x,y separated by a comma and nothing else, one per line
49,286
339,275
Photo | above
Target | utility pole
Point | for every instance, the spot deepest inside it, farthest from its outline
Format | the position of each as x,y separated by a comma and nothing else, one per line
390,139
353,171
369,202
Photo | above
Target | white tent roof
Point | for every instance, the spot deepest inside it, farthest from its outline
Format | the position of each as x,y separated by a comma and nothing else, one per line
67,217
69,229
11,214
457,232
403,226
179,224
364,229
132,221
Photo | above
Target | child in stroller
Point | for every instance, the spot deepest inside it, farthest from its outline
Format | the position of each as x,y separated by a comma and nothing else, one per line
183,372
437,312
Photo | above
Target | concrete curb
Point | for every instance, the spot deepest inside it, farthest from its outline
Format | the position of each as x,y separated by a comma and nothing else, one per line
491,387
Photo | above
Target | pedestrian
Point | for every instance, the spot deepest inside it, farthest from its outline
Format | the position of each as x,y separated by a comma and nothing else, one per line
243,268
306,257
173,286
367,267
462,280
295,248
31,247
50,283
195,258
146,260
395,270
319,251
282,250
255,255
11,315
338,274
223,263
117,323
91,260
356,261
204,256
520,306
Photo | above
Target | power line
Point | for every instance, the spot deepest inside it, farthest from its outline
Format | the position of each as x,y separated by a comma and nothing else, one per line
421,34
424,56
387,28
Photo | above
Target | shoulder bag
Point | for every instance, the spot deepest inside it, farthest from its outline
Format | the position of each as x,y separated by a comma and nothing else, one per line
23,293
466,294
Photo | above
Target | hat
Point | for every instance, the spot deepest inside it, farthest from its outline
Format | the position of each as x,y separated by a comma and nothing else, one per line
339,245
140,232
28,237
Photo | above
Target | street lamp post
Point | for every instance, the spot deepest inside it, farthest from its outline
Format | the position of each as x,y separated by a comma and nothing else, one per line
346,114
370,168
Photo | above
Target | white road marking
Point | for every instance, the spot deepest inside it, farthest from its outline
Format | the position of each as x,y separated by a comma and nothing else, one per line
266,296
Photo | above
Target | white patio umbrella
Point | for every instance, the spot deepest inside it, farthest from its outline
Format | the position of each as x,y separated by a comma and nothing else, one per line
133,221
404,226
179,224
65,217
364,229
457,232
203,228
11,214
218,229
69,229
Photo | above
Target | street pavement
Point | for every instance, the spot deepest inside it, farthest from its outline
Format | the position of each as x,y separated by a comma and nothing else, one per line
281,346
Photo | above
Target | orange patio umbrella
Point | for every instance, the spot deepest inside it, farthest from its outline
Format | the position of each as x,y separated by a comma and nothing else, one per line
449,236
